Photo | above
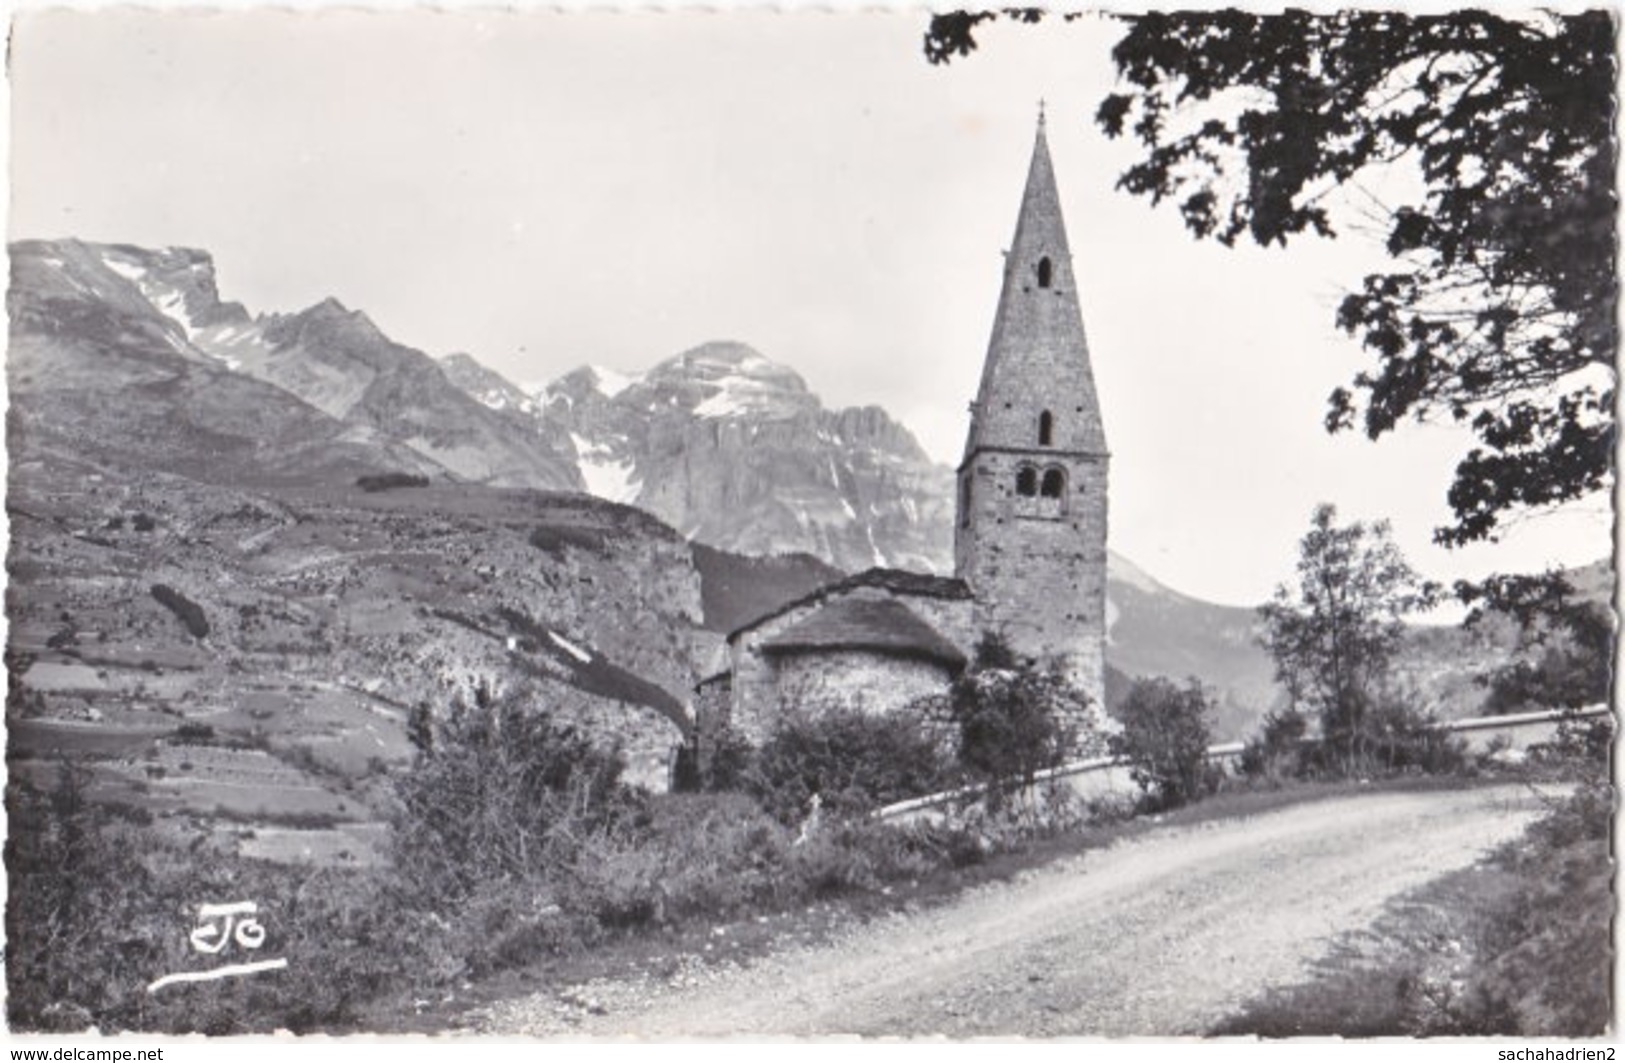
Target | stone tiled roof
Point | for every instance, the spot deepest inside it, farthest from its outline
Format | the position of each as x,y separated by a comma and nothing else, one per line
888,627
895,580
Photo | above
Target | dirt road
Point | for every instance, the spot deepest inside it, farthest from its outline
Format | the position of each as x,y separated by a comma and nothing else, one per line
1164,934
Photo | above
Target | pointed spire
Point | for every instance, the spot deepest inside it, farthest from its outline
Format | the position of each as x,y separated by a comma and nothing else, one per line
1038,356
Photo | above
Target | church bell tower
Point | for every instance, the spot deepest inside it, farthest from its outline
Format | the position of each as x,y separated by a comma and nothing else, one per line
1031,532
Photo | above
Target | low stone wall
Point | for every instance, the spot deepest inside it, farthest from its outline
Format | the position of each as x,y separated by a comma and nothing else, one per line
1520,731
1103,777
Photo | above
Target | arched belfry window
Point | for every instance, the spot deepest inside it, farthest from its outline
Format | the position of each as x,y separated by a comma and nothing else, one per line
1054,485
1045,272
1046,429
1027,481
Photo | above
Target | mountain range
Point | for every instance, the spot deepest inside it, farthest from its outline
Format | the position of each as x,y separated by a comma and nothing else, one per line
127,365
130,354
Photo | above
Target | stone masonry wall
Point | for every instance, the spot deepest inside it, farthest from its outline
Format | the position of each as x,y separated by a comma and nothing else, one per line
756,680
864,681
1039,574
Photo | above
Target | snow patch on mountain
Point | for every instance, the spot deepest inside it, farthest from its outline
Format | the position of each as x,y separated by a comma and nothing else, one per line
606,476
739,395
880,558
165,298
233,345
611,382
127,270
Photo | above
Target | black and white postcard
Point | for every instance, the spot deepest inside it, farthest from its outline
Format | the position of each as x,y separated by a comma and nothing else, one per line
788,523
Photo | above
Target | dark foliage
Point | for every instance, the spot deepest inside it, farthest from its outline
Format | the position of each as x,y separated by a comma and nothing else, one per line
953,34
1575,641
501,792
1014,722
1582,748
187,611
552,539
1165,736
715,761
194,734
1281,750
1500,311
390,481
853,761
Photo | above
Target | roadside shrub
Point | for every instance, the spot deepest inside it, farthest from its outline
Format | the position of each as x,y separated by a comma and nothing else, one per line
1545,958
694,855
501,792
1014,721
715,761
1398,739
974,830
1578,746
1392,738
864,855
1166,732
1281,751
854,762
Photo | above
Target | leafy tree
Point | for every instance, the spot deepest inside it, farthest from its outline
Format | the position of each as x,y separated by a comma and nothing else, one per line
1166,732
1499,311
1334,637
1014,721
1574,667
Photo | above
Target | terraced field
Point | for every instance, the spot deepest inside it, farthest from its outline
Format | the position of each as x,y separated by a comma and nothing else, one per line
240,666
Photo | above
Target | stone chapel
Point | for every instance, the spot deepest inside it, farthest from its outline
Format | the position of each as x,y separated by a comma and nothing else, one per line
1030,536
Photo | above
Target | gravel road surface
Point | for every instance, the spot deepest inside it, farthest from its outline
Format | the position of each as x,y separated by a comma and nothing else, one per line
1166,933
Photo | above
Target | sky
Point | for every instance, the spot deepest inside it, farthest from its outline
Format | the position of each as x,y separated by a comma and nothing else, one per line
546,189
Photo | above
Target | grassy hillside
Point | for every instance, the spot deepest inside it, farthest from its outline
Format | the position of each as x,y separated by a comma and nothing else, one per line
242,664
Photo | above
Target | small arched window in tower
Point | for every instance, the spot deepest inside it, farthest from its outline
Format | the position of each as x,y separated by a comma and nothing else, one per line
964,501
1046,429
1054,483
1046,272
1027,481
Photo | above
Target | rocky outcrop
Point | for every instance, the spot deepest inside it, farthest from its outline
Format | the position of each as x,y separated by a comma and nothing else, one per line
735,452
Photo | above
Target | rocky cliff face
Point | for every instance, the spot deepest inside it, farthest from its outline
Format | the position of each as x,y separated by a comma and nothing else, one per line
735,451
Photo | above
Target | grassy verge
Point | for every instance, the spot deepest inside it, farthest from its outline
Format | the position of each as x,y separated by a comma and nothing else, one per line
496,890
1520,944
666,949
